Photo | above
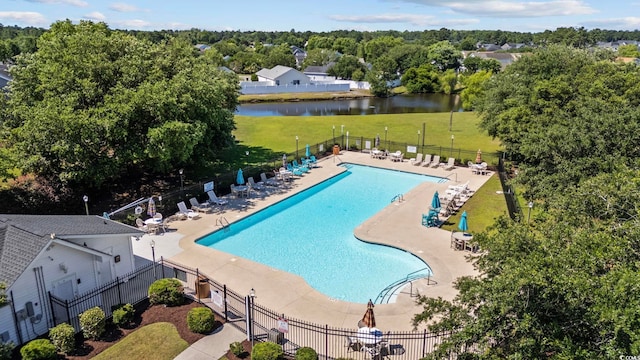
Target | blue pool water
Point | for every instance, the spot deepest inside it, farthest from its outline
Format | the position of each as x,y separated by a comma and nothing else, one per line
311,234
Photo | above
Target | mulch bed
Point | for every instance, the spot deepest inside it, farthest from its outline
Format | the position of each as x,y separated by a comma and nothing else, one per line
145,314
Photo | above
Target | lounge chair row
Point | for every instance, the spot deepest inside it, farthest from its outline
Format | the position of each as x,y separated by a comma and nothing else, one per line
428,161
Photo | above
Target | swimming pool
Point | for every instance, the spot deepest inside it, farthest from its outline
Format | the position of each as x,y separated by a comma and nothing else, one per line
311,234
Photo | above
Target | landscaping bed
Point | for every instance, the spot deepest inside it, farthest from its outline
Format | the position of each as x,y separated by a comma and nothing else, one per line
145,315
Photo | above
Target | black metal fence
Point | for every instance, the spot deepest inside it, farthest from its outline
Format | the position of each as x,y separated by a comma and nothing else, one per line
515,212
131,288
166,202
263,324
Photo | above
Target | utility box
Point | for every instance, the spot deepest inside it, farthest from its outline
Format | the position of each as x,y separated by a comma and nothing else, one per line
203,288
274,335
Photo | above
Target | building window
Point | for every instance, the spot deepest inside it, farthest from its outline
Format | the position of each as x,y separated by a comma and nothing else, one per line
296,82
277,82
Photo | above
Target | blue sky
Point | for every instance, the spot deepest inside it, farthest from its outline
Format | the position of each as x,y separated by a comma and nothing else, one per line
327,15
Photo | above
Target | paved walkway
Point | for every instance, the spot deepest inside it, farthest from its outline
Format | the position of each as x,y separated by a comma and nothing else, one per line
212,346
398,224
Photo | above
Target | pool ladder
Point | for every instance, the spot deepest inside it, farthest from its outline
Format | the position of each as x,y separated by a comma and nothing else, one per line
223,222
398,197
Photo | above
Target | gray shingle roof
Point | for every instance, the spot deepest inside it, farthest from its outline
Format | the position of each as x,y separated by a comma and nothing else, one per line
22,237
275,72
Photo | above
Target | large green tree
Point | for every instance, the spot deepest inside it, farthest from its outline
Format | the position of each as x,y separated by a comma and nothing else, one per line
561,286
92,105
563,113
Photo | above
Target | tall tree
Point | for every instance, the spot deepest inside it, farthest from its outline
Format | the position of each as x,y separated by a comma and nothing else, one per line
86,115
280,55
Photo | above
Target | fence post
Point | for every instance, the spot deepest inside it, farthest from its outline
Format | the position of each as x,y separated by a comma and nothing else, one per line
66,306
224,289
326,341
118,286
162,264
197,286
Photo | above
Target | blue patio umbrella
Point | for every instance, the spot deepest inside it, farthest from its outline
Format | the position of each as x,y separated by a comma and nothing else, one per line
435,202
307,152
462,225
240,178
151,207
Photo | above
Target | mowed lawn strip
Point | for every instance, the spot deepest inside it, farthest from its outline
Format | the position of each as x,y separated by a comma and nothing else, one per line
278,133
155,341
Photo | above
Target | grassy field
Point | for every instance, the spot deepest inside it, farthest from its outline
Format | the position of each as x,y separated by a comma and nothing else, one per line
155,341
278,133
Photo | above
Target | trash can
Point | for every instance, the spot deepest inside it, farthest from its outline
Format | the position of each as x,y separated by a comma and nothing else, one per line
275,336
202,287
336,150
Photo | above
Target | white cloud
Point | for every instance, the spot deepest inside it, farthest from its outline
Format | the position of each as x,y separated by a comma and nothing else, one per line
26,17
122,7
418,20
133,24
95,16
79,3
627,23
510,9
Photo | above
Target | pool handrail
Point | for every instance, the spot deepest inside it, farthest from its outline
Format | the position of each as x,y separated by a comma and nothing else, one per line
388,291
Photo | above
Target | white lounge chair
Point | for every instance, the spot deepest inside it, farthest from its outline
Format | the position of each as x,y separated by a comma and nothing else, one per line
450,165
254,185
216,200
202,207
417,161
435,162
426,161
268,181
182,210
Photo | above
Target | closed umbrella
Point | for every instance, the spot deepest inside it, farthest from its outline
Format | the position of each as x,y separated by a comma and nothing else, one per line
151,207
462,225
240,178
377,142
435,202
369,320
307,152
284,160
478,157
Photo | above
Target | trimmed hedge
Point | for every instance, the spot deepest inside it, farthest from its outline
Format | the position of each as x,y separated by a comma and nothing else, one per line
306,353
201,320
40,349
63,337
266,351
166,291
123,316
92,323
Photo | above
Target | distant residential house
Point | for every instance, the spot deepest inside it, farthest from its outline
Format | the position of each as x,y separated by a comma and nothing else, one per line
505,59
65,255
202,47
299,54
511,46
4,76
282,75
614,45
487,47
319,73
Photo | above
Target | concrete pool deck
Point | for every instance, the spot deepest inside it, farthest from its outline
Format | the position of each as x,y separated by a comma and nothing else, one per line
398,224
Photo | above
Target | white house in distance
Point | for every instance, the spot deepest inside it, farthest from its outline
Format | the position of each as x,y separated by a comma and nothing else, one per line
283,79
65,255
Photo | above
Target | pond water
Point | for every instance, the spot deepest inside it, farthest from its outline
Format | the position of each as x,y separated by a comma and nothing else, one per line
400,104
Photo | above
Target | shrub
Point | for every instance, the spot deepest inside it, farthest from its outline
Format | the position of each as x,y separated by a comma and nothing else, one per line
63,337
266,351
92,323
236,348
306,353
123,316
6,350
40,349
201,320
166,291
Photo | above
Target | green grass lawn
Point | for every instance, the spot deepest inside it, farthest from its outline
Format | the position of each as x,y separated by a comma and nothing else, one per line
482,208
154,341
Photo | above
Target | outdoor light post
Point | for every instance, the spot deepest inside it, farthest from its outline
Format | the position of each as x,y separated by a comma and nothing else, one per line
153,256
181,171
530,205
341,129
334,134
418,137
385,137
296,147
252,295
451,150
86,203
